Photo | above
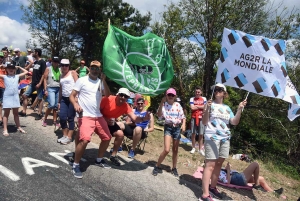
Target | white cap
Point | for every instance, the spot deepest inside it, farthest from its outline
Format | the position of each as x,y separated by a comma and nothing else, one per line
65,61
219,85
17,50
124,91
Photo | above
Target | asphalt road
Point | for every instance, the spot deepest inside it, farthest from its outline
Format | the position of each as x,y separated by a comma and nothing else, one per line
34,166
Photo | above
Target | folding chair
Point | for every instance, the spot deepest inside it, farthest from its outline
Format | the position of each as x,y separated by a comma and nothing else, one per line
128,142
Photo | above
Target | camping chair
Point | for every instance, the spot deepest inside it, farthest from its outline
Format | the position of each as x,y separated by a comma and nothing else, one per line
128,142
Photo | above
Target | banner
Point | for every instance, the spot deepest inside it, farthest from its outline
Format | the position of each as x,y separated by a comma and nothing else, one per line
294,111
141,64
253,63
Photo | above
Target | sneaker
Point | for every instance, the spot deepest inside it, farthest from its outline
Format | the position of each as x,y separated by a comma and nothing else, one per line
76,172
115,160
155,171
120,149
193,150
202,152
259,188
66,141
215,193
131,154
44,123
174,172
60,139
208,198
22,114
278,191
102,163
39,117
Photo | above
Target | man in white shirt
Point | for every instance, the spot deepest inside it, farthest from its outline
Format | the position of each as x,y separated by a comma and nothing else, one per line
89,91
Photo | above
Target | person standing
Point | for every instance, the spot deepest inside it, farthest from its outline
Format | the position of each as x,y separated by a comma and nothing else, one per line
174,123
67,112
197,127
89,91
217,117
83,70
11,98
36,84
51,88
2,86
23,61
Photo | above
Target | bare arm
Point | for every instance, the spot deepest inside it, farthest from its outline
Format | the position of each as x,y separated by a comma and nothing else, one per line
151,124
228,176
30,63
87,68
106,88
205,118
196,107
75,76
159,112
46,78
73,100
24,71
236,119
77,69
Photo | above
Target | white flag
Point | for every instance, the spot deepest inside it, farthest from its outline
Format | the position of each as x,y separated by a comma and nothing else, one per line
294,112
253,63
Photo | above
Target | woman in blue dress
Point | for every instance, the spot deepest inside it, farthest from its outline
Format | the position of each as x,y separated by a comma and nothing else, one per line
11,98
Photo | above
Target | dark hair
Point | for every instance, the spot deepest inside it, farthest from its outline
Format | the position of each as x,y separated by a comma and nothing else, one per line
198,87
39,51
140,99
5,49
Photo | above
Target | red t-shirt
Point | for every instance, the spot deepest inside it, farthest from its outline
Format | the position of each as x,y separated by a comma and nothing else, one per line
197,101
109,108
2,72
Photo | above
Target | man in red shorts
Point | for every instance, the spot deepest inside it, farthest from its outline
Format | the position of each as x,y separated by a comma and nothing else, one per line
89,90
113,107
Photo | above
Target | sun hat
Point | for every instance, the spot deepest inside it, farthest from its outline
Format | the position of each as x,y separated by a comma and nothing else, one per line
124,91
65,61
95,63
171,91
219,85
17,49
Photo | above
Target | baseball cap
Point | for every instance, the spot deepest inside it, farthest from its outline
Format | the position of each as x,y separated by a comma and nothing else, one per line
55,59
17,50
129,101
10,65
65,61
124,91
219,85
171,91
96,63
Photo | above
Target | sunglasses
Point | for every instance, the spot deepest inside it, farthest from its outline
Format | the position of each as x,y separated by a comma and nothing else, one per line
16,52
64,65
140,103
95,68
172,95
219,89
123,95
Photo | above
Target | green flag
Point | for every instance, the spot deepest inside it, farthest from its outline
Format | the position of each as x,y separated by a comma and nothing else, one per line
141,64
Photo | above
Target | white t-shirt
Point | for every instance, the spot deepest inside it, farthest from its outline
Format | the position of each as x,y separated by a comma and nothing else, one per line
89,96
173,114
217,127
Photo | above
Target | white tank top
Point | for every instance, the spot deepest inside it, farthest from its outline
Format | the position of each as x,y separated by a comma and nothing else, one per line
67,84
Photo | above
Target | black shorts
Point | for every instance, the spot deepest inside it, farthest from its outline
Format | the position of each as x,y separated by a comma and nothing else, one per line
114,128
128,132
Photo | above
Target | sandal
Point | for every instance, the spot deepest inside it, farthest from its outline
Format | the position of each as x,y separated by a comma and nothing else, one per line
21,130
5,133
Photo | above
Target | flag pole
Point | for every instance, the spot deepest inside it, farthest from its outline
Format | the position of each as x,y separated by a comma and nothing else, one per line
246,99
108,26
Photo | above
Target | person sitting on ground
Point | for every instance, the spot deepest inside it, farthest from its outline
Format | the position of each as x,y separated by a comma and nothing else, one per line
249,175
137,131
112,107
83,70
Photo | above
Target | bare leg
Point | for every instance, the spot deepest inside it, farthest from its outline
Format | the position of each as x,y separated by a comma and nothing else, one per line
264,184
102,148
47,113
65,132
252,169
216,172
119,136
193,140
16,117
41,102
5,118
175,152
35,102
79,151
70,134
167,143
54,115
137,134
207,174
25,103
1,112
200,142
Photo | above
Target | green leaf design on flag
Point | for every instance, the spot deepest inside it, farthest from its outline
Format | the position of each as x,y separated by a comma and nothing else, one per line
141,64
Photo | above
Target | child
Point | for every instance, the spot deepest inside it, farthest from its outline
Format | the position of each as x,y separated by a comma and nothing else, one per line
174,122
11,95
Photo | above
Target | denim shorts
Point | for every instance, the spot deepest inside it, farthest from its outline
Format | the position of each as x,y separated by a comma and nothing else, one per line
52,98
30,90
1,94
238,179
172,131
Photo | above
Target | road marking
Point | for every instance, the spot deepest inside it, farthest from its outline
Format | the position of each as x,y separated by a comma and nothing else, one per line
70,154
60,157
38,163
9,173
